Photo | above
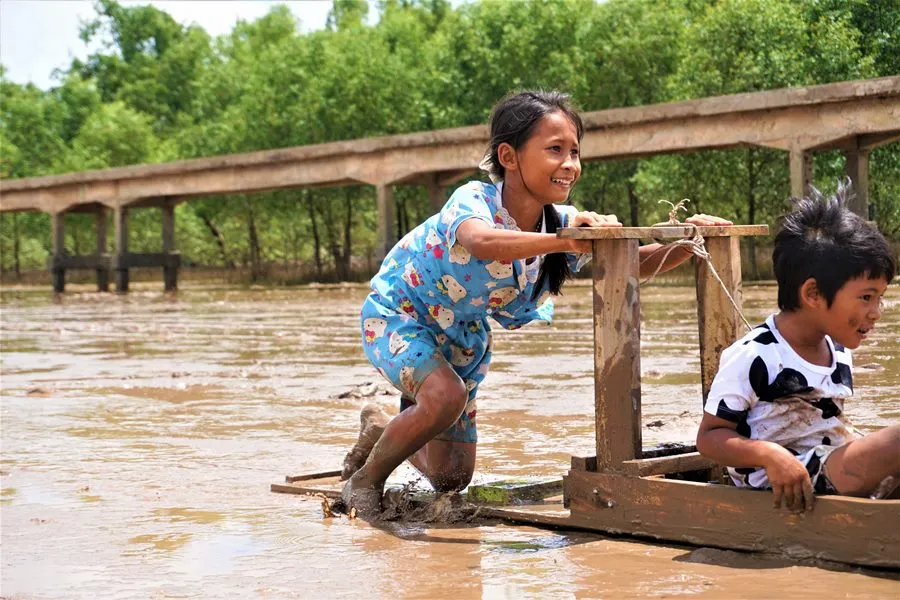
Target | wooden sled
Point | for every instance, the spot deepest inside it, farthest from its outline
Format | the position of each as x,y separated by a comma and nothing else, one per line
622,491
665,494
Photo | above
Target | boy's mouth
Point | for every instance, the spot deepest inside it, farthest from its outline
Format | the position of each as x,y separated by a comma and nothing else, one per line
863,331
567,183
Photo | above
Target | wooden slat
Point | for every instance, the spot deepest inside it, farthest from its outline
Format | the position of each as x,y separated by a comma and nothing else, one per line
850,530
309,476
617,352
666,232
718,322
664,465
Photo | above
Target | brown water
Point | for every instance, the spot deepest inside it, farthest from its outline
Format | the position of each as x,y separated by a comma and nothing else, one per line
140,435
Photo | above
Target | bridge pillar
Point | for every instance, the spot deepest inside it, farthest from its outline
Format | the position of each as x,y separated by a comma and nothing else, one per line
102,269
384,195
170,268
435,196
801,172
120,220
57,259
856,166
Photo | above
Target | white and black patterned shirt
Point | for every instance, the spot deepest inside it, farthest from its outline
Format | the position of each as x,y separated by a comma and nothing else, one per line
773,394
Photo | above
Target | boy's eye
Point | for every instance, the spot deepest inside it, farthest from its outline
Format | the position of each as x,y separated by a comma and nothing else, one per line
555,148
867,297
575,152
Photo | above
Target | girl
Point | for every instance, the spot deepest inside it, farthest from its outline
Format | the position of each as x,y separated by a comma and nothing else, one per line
492,251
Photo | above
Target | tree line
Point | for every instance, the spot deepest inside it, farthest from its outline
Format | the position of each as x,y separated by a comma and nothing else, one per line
157,90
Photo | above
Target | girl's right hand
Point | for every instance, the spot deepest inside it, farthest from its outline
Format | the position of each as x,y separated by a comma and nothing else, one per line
789,479
590,219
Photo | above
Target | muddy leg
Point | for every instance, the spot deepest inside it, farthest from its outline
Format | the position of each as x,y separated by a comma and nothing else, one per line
441,399
372,421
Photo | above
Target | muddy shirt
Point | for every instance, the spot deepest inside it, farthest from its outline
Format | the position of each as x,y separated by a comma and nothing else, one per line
773,394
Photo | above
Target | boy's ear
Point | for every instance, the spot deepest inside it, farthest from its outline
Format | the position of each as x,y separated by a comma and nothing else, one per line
809,294
507,156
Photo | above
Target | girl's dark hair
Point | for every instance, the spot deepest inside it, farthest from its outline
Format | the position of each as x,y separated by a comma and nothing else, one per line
512,122
821,238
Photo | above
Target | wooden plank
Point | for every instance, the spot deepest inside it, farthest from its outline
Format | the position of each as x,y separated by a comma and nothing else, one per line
719,323
664,465
661,232
584,463
514,491
309,476
849,530
617,352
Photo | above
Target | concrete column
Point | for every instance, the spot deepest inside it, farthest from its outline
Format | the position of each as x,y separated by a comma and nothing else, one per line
103,270
58,242
120,218
170,271
386,238
435,197
801,172
856,165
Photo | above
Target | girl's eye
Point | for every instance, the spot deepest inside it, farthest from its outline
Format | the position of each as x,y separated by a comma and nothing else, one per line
575,152
867,297
555,148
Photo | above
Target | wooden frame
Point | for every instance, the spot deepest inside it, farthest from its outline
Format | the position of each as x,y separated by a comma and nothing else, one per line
621,491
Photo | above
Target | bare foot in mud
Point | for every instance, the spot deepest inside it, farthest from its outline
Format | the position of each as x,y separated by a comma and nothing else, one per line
372,421
366,500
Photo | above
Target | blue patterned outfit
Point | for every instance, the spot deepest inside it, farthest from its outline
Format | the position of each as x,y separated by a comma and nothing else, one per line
430,301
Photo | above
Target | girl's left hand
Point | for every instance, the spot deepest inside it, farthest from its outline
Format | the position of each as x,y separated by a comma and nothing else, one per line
592,219
707,221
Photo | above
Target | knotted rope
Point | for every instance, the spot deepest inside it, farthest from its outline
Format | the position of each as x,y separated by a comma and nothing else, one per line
695,243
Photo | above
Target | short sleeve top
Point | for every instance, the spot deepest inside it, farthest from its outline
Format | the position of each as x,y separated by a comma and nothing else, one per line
434,279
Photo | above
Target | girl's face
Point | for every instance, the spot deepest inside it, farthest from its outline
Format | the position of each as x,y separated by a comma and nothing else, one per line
548,163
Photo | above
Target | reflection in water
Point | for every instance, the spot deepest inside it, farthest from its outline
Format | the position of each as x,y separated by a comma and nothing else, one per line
140,435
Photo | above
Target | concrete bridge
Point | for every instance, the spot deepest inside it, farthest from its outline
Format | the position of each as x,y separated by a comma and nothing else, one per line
853,117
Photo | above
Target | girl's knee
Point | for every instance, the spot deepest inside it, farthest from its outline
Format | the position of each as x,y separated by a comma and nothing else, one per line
453,479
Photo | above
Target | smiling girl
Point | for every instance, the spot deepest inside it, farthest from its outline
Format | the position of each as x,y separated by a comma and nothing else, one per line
492,251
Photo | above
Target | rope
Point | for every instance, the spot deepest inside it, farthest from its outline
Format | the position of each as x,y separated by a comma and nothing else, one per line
695,243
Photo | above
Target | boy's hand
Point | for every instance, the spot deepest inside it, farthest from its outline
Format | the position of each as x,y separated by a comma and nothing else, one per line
789,479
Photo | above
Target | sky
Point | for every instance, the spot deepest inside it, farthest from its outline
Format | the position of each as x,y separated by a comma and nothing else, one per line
38,36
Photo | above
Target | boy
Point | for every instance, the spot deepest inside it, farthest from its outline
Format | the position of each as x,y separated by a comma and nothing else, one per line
774,413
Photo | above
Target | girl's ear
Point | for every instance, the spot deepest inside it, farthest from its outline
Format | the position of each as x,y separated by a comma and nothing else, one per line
810,296
507,156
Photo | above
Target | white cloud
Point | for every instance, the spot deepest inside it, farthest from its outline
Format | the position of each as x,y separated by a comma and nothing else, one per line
38,36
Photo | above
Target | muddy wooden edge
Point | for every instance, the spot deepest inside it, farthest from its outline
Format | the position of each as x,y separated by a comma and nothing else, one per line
664,465
843,529
622,233
310,476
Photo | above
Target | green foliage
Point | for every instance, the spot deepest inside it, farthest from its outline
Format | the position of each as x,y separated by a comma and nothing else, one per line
157,90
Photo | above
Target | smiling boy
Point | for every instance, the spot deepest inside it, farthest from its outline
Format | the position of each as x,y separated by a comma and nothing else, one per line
774,413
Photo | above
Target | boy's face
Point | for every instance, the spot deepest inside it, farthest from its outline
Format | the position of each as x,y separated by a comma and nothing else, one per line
852,314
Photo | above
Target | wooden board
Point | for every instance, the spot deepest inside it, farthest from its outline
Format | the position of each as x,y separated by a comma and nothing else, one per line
849,530
658,233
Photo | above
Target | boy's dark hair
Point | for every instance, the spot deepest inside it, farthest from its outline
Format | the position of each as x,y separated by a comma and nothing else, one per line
512,122
821,238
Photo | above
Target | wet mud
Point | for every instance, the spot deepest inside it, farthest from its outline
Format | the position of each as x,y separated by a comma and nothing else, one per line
140,435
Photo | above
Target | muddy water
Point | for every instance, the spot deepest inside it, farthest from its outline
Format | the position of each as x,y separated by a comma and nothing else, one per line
140,435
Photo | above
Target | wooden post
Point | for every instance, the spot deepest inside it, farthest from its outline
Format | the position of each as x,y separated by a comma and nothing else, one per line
617,352
718,321
120,217
170,271
58,242
102,270
856,165
435,196
801,172
385,200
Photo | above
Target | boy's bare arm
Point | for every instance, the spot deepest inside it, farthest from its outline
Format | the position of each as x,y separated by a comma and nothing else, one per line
719,440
